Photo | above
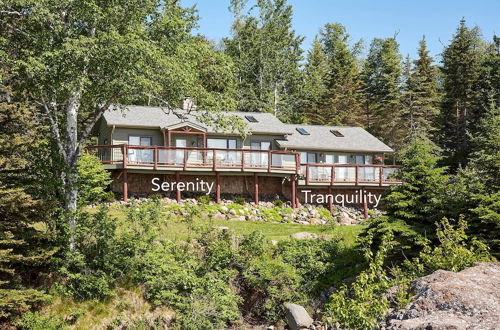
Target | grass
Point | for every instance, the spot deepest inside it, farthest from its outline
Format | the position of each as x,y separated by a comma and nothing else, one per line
176,229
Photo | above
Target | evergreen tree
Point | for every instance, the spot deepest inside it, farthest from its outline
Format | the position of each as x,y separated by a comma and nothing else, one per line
414,207
461,108
382,75
24,249
268,57
340,98
421,97
316,71
489,82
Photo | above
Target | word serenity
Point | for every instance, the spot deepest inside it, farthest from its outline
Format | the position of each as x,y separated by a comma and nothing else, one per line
198,186
357,197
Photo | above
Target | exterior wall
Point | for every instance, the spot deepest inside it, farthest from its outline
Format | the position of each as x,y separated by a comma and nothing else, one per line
104,133
121,134
322,155
139,184
247,143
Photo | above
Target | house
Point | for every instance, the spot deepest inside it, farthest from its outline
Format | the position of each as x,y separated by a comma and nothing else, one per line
140,144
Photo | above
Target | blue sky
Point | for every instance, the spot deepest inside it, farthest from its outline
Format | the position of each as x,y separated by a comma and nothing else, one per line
366,19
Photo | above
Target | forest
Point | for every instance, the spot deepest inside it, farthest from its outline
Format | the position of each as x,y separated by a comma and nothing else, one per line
66,254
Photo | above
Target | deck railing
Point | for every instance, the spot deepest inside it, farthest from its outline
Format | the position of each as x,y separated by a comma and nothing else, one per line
350,174
158,157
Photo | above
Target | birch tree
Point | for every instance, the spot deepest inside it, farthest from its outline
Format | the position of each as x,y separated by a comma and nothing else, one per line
77,58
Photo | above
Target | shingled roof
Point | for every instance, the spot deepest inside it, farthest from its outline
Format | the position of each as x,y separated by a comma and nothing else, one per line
322,138
319,138
145,116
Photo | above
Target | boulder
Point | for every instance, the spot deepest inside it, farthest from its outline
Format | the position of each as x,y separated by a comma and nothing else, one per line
469,299
304,235
297,317
240,218
221,228
219,216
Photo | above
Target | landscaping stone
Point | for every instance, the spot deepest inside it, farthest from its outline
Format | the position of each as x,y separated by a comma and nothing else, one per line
304,235
240,218
297,317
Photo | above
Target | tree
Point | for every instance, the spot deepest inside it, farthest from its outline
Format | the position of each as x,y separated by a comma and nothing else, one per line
461,108
76,59
382,73
421,97
267,56
340,99
24,248
415,206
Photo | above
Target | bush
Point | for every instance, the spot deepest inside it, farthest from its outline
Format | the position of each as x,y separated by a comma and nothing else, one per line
278,203
204,199
239,200
35,321
93,180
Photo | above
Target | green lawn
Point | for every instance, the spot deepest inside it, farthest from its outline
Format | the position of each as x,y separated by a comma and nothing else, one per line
176,229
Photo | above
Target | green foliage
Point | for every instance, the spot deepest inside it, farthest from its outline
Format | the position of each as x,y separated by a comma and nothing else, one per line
271,214
204,199
35,321
239,200
278,203
361,304
414,207
92,180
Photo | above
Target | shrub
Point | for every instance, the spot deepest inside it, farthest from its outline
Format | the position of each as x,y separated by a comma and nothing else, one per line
204,199
35,321
92,180
272,215
278,203
239,200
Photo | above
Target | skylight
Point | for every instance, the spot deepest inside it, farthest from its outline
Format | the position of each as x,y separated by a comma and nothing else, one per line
336,133
302,131
251,119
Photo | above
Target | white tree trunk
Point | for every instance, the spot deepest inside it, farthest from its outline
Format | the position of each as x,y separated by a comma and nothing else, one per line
71,175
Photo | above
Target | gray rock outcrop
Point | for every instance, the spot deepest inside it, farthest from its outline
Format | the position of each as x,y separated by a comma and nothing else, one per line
297,317
469,299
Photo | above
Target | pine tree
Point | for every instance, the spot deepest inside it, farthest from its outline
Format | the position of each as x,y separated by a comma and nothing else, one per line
382,75
267,55
461,108
24,250
340,100
316,71
421,96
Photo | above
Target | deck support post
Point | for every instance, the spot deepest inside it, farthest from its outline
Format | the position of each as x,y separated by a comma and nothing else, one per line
125,185
365,204
293,192
217,187
256,188
177,191
330,199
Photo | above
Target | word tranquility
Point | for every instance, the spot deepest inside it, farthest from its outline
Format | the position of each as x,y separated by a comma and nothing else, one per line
358,197
198,185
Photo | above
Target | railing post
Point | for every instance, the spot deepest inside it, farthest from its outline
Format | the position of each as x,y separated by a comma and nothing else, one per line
125,185
356,175
124,152
217,187
155,158
332,176
380,174
185,159
307,174
242,160
293,192
256,188
214,165
269,161
297,163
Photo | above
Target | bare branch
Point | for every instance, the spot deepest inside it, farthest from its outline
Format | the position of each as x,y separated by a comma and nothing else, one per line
10,12
162,101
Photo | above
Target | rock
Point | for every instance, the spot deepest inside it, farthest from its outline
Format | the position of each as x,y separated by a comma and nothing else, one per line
224,208
221,228
219,216
304,235
240,218
469,299
297,317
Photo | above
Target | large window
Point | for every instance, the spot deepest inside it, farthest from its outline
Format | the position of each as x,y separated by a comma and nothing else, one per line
137,154
221,143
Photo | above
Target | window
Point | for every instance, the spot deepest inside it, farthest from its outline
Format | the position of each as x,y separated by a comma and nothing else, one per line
221,143
261,145
302,131
251,119
308,157
336,133
140,155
